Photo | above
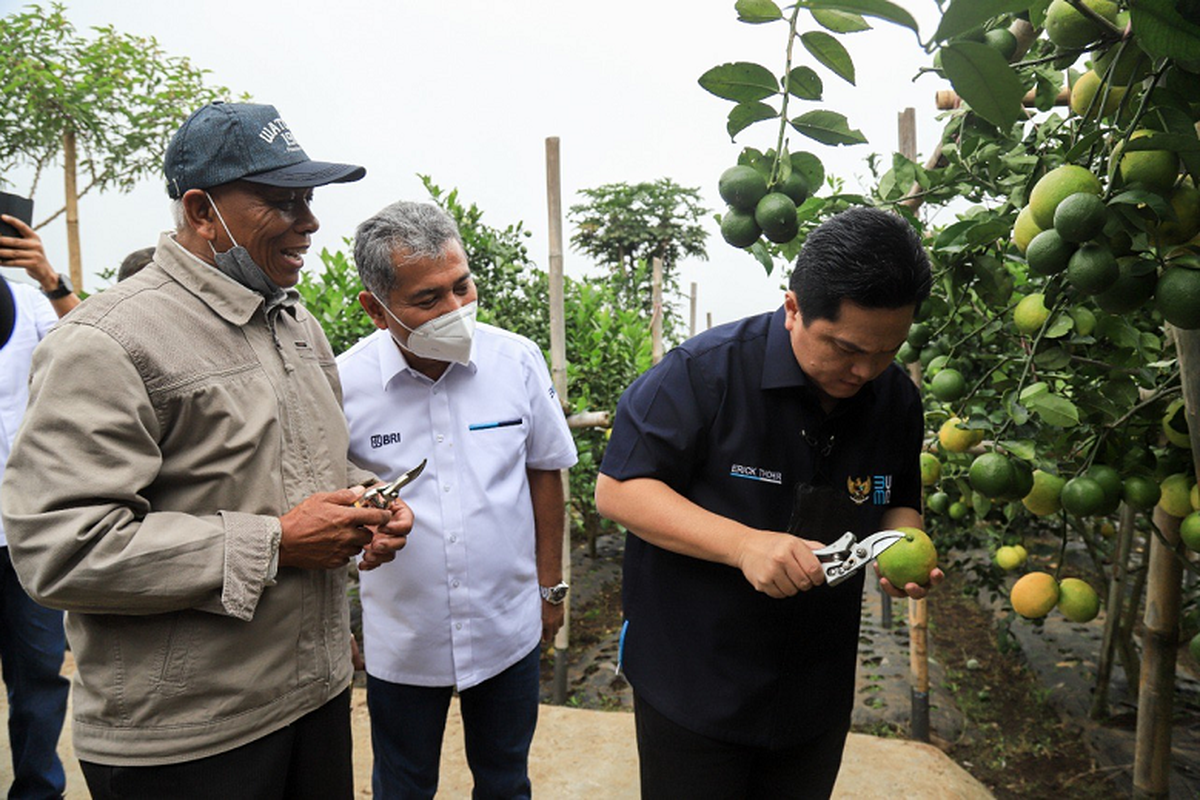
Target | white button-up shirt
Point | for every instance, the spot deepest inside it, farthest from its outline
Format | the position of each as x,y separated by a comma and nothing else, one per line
460,602
35,318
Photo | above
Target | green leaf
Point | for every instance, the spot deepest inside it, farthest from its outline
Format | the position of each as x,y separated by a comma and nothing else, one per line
759,251
811,168
741,82
870,8
743,115
985,81
757,12
1061,326
807,85
966,15
1023,449
827,127
1053,409
1163,32
830,52
840,21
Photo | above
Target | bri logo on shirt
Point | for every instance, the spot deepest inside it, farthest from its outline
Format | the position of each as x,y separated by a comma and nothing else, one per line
876,488
384,439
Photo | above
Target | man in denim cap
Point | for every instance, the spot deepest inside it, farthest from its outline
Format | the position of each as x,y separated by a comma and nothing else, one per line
180,488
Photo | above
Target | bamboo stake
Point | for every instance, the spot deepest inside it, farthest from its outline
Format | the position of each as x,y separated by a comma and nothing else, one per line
656,281
692,323
1112,618
74,255
558,374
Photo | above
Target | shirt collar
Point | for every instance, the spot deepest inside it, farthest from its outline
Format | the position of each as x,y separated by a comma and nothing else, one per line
392,361
229,299
781,370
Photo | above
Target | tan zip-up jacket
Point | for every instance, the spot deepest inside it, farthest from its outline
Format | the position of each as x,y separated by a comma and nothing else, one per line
169,426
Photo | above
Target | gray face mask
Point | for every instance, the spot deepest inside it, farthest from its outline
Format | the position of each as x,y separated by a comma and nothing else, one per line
237,264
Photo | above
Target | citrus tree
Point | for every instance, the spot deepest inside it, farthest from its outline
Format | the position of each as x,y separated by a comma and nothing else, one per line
1057,349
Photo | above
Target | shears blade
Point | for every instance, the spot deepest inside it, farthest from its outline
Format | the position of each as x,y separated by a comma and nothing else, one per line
847,555
382,494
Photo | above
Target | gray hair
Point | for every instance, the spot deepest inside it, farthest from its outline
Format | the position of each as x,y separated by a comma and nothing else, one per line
399,234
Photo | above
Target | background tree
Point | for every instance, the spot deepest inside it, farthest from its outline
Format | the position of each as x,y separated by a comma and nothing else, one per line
621,225
104,106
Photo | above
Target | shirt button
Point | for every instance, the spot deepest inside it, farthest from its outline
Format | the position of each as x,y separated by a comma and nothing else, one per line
455,584
453,539
441,438
458,626
446,488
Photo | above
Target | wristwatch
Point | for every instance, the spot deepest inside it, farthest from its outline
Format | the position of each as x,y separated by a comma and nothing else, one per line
60,291
554,595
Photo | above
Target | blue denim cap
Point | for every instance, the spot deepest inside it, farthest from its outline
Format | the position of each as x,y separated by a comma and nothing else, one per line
225,142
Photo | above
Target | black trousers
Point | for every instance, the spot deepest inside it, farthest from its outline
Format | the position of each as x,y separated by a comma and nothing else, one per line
308,760
675,762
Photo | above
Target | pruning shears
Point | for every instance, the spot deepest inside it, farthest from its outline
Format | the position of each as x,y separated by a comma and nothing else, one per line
381,495
847,555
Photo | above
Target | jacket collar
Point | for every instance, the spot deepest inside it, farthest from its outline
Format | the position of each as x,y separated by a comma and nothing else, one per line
226,297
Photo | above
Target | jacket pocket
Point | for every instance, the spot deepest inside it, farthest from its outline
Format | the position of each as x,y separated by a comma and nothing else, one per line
177,658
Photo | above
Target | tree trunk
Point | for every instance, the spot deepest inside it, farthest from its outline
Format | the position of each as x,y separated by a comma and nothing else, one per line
74,258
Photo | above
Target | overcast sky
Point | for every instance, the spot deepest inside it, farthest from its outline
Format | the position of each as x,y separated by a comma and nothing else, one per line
468,90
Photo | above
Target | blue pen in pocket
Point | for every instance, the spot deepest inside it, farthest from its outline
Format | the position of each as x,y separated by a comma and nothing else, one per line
621,646
485,426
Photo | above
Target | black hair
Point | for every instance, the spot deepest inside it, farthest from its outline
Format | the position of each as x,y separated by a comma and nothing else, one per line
135,262
868,256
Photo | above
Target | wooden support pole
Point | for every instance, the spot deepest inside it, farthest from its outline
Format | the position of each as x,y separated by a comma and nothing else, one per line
589,419
709,319
656,294
1112,619
74,250
558,375
692,316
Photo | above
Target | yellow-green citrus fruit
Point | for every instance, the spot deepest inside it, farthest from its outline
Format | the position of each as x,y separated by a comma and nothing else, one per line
776,215
1107,529
1177,296
1022,552
948,385
1140,492
742,187
795,187
1030,314
1055,186
1043,499
938,502
958,510
1034,595
931,469
1185,203
1175,424
1091,98
1175,500
738,228
1189,531
1079,217
1077,600
1024,229
1085,320
1002,40
1156,170
910,560
1092,268
1068,28
1194,496
1049,253
991,475
1137,279
1082,496
955,439
1008,558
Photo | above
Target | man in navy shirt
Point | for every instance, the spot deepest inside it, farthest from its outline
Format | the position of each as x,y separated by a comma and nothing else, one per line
745,449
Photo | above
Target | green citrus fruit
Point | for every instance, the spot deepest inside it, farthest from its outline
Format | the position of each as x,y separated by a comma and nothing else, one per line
991,475
1140,492
1049,253
1110,481
1055,186
948,385
1024,229
931,469
776,215
795,187
1030,314
1008,558
1077,600
1185,203
1175,500
1189,531
1085,320
738,228
1079,217
1002,41
1068,28
1194,496
1082,496
1034,595
1175,424
907,354
1136,281
954,439
938,502
1091,98
1156,170
919,334
1177,296
1022,480
1121,65
958,510
742,187
1092,268
1043,499
910,560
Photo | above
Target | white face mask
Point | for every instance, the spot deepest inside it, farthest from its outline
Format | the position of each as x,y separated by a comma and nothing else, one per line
444,338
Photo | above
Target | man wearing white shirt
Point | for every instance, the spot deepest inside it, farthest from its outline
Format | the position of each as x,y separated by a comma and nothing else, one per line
481,579
31,636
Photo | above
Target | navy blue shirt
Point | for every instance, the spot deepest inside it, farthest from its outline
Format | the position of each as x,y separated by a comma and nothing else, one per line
730,421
